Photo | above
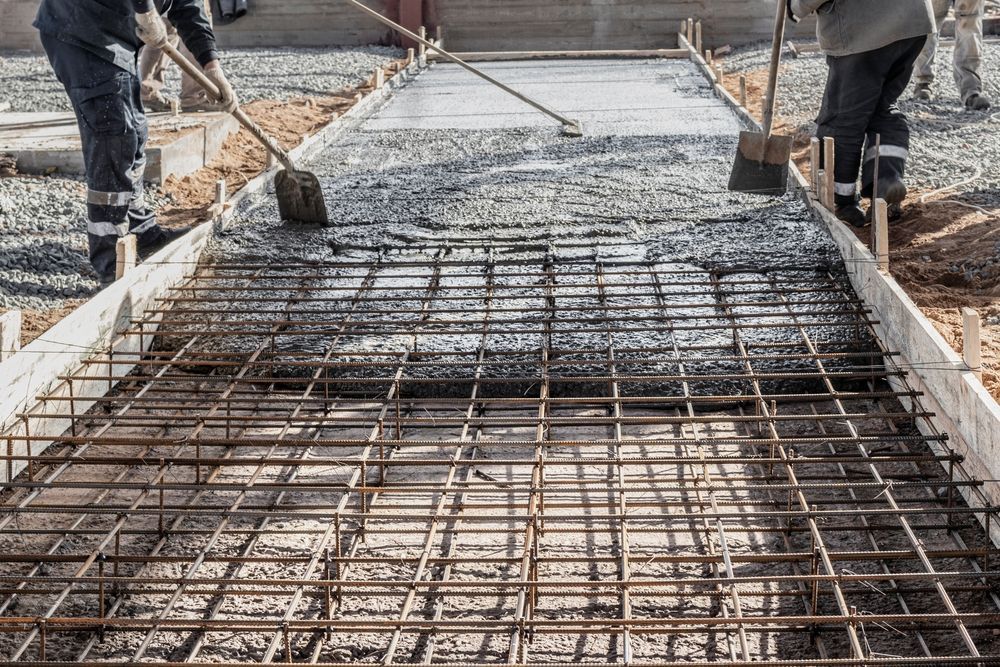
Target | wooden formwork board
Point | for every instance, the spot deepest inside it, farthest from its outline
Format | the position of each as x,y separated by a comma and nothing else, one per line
92,330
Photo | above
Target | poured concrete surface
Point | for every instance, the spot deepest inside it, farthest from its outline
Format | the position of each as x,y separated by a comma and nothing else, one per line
46,142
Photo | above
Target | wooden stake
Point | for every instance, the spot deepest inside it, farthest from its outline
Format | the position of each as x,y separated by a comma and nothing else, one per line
829,160
220,192
972,344
10,334
379,78
175,106
126,255
719,73
422,48
411,54
690,32
438,36
880,220
743,91
814,165
697,37
708,58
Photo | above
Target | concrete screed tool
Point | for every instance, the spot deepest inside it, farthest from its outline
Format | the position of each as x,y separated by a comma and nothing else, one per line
762,158
300,198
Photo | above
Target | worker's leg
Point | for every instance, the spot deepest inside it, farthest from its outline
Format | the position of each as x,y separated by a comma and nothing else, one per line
153,64
113,132
889,123
968,47
923,69
853,93
193,96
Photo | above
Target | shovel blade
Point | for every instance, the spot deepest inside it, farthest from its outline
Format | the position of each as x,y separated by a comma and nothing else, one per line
761,164
300,198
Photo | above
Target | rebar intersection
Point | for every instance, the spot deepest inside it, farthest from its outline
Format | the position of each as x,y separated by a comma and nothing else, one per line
500,455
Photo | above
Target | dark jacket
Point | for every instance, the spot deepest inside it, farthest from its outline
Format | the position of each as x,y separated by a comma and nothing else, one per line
107,27
847,27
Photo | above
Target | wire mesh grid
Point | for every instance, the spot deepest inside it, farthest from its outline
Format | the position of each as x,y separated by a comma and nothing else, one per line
466,457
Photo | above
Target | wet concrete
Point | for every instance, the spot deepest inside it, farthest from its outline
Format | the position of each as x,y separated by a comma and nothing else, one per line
451,159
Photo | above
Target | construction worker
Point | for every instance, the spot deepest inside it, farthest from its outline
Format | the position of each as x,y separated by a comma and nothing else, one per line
968,55
93,47
870,49
153,65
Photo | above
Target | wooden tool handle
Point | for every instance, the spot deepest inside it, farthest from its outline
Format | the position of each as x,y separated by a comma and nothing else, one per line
770,98
195,73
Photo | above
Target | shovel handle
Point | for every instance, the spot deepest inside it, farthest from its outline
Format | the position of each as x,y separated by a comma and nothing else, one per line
770,98
195,73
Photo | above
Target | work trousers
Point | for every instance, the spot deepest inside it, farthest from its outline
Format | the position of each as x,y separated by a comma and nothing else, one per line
968,56
860,103
153,64
113,134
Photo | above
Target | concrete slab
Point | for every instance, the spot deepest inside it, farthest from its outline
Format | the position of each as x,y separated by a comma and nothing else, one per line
179,145
650,97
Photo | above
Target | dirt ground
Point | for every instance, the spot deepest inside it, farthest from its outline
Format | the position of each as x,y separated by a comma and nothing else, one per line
942,251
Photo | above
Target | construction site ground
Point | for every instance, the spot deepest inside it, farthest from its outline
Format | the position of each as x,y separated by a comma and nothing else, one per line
532,399
945,252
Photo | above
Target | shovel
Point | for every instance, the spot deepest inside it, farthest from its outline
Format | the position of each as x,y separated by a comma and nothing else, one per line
300,198
762,158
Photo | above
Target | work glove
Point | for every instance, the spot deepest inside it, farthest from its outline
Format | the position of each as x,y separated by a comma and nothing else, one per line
227,96
151,29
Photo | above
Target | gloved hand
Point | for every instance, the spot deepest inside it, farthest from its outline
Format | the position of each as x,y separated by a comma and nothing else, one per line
151,29
227,96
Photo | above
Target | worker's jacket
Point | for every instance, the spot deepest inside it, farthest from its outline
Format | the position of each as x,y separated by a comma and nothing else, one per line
846,27
107,27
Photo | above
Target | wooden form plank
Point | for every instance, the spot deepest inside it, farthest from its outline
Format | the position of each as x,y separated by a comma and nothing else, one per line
963,408
92,331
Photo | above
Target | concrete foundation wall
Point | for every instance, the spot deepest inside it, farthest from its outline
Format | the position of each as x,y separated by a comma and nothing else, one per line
472,25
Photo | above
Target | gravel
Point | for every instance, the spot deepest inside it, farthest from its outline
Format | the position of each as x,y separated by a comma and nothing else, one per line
27,82
43,245
949,143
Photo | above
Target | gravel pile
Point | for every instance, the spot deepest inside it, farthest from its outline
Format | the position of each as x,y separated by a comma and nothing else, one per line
949,143
27,82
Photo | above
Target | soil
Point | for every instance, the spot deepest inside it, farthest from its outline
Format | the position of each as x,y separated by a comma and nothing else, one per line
939,249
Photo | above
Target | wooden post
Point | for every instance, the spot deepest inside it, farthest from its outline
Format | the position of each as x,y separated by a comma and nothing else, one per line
814,165
972,344
829,160
220,191
439,36
708,58
743,91
422,48
697,37
718,73
379,77
411,55
10,334
880,220
126,255
690,31
175,106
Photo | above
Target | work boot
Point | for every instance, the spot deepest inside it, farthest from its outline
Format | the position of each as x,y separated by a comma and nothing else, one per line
922,92
848,210
978,102
157,102
892,190
203,103
159,237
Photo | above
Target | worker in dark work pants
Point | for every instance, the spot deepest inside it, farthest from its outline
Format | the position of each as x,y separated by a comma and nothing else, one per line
870,49
93,47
